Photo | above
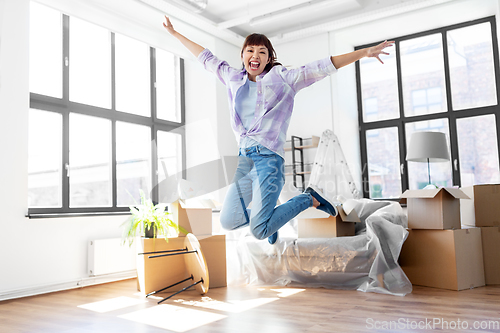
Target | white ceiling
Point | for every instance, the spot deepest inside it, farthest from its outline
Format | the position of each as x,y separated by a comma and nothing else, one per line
296,14
286,20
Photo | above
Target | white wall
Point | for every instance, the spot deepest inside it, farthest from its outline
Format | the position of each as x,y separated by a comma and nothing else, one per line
208,131
48,254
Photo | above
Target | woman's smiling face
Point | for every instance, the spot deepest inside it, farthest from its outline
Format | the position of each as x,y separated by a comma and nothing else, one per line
255,58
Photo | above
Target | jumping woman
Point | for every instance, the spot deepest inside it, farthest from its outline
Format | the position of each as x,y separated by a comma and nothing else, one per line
261,96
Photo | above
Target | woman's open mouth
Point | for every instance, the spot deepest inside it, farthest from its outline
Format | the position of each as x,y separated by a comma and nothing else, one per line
254,65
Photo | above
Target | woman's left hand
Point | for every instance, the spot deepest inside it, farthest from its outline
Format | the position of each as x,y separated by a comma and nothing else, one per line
375,51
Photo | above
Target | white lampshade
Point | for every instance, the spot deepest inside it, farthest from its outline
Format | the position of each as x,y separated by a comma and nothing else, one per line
428,147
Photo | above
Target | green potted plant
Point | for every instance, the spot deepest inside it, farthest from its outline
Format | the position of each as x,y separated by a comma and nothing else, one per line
149,220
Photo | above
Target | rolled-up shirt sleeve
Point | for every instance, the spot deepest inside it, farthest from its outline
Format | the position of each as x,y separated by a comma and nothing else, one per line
306,75
213,64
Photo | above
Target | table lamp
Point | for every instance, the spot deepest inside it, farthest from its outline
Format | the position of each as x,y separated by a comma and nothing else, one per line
428,147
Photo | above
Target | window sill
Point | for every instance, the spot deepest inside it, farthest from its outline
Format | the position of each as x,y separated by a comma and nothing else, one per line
66,215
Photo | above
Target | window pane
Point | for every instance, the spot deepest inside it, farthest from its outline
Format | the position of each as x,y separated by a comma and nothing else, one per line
422,71
90,161
472,71
383,163
379,88
133,162
418,172
167,87
133,93
90,64
44,159
45,51
478,150
169,163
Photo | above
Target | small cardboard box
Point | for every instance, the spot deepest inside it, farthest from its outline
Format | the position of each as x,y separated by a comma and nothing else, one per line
491,254
328,227
448,259
483,210
157,273
192,216
434,208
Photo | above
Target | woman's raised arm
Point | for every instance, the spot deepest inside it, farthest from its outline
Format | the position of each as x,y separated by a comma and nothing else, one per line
349,58
194,48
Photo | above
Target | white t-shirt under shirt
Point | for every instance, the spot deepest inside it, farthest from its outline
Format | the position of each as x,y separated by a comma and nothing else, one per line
246,101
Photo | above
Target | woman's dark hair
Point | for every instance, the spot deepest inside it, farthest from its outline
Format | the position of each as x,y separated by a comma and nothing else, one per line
260,39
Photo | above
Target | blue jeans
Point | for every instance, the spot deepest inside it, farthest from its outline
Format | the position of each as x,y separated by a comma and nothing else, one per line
259,179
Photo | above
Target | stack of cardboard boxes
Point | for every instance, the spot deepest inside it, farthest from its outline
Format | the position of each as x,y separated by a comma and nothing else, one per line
438,251
483,212
157,273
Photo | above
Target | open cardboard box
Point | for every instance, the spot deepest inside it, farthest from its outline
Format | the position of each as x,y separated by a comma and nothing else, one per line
448,259
318,224
157,273
483,210
433,208
193,215
190,210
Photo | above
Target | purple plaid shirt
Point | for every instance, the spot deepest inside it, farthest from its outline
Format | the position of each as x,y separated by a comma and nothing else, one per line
276,91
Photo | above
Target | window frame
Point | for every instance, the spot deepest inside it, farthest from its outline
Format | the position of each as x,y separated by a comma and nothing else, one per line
64,107
451,114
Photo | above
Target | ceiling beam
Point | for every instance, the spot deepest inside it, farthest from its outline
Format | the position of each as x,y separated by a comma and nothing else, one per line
304,8
353,20
271,8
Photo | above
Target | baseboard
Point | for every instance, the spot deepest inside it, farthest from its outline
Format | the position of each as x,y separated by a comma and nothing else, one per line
80,283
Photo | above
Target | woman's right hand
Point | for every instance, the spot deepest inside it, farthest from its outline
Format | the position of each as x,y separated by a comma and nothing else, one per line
169,26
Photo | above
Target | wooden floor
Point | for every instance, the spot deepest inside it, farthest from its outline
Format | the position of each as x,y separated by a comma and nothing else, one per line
117,307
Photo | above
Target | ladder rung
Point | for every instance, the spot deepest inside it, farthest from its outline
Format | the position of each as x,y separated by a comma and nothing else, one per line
298,173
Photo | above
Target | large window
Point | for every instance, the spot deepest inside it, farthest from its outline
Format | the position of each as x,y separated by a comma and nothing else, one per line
444,80
105,120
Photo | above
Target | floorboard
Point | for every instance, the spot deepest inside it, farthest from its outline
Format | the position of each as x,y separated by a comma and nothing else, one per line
118,307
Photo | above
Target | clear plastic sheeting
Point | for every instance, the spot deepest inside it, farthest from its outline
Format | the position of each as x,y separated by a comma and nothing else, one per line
366,262
330,170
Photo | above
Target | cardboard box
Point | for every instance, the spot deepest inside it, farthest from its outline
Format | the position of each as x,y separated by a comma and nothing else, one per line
483,210
448,259
434,208
491,254
157,273
214,250
328,227
192,217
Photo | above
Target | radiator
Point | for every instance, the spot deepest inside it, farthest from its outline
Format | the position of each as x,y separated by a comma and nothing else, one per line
108,256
